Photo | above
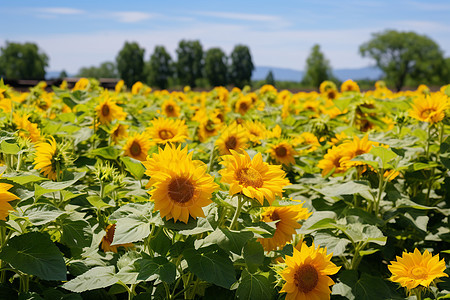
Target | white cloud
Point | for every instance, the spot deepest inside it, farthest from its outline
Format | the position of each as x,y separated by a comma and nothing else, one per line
131,16
60,10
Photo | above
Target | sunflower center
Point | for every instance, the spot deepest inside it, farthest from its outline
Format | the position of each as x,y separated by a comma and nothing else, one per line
306,278
426,113
165,134
281,151
359,152
331,94
105,110
250,177
231,142
243,106
418,272
110,233
135,149
169,108
209,127
181,190
275,216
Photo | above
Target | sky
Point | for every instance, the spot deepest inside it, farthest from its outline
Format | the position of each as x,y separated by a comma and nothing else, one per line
83,33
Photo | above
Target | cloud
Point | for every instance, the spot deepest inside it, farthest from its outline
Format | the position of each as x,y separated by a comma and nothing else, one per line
60,10
132,16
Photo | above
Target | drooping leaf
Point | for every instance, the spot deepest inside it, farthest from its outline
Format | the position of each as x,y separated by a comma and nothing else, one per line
156,268
95,278
254,286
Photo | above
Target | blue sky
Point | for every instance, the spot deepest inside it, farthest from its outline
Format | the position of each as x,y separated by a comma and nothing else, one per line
279,33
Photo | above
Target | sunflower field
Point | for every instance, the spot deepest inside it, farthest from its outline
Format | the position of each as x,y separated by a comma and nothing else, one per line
225,194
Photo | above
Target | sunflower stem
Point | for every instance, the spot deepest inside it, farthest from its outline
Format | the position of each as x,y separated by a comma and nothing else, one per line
427,148
237,211
418,293
211,157
380,190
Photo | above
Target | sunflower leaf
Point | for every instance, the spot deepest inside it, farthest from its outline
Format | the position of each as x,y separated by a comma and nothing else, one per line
254,286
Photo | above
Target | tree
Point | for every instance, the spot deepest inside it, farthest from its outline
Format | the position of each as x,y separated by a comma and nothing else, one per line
22,61
105,70
130,63
63,74
160,68
317,68
189,63
269,78
405,56
241,68
216,68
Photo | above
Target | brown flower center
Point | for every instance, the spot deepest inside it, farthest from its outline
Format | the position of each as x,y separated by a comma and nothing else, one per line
169,108
243,107
306,278
105,110
249,177
426,113
181,190
331,94
165,134
359,152
110,230
418,272
209,127
231,143
135,149
281,151
275,216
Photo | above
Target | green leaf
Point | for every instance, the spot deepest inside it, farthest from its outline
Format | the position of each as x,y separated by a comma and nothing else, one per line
156,268
35,254
371,287
226,239
213,266
133,166
40,214
97,202
8,148
253,255
51,186
26,179
386,155
95,278
76,232
334,245
347,188
107,152
254,286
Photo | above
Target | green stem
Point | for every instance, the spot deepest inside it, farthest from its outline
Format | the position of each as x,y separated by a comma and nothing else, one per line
427,148
211,157
237,211
418,293
380,190
24,283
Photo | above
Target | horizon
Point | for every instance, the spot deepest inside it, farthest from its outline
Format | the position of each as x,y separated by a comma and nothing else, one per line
85,34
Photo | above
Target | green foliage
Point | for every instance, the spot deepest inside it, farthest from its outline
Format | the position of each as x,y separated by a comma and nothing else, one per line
190,62
130,63
160,68
317,68
22,61
406,56
241,67
216,69
270,79
105,70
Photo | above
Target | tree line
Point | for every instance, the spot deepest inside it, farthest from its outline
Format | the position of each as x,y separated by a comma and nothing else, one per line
406,58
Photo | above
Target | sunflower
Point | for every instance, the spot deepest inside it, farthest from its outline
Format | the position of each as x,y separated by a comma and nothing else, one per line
108,239
414,269
137,146
5,198
81,84
430,108
181,186
256,130
306,274
349,86
326,86
253,177
335,160
208,127
243,104
108,111
46,159
119,86
287,217
282,153
119,132
234,137
136,88
167,131
26,128
358,147
171,109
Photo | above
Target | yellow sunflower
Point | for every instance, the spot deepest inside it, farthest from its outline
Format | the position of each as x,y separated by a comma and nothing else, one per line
256,130
45,160
209,127
282,153
167,131
287,217
430,108
108,239
119,86
414,269
349,86
335,160
81,84
108,111
243,104
26,128
171,109
306,274
137,146
253,177
119,132
234,137
181,186
5,198
357,147
326,86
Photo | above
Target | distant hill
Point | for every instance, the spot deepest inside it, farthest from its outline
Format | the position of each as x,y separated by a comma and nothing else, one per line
284,74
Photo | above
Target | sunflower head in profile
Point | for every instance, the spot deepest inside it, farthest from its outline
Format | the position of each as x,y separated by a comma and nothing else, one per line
119,132
414,269
167,131
430,108
26,128
170,108
51,158
119,86
107,240
108,111
253,177
327,85
306,273
349,86
234,137
288,218
181,186
358,147
5,198
256,131
243,104
137,146
282,152
81,84
335,160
